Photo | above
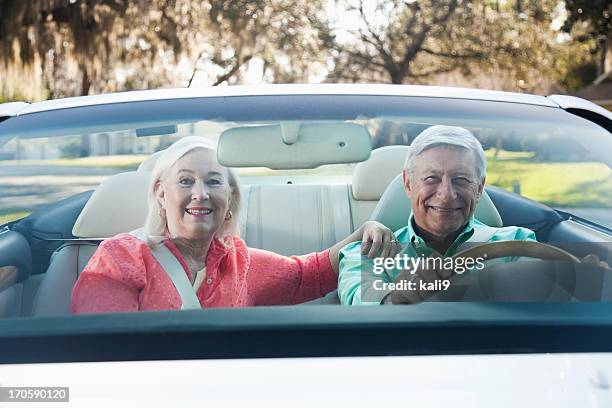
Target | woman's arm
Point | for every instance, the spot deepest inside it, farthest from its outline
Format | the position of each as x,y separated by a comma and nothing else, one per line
376,240
98,293
110,281
280,280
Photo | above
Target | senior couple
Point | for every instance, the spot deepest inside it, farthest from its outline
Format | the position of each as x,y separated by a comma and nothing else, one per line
192,227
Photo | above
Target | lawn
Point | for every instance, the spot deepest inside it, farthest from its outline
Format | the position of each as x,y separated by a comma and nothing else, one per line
125,162
557,184
12,216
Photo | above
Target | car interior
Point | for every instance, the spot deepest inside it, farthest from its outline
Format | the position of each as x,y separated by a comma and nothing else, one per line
52,246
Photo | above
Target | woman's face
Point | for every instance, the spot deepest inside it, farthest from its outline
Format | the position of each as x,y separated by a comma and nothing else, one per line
195,195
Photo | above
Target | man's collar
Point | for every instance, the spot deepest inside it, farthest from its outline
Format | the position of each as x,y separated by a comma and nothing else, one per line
463,236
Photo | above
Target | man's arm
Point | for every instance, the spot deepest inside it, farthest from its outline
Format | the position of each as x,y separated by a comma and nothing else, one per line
356,278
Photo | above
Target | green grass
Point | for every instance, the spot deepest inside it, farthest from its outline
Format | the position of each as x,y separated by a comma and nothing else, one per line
584,184
12,216
571,184
505,155
126,162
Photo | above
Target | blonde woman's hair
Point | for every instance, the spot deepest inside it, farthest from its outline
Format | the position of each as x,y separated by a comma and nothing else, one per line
154,224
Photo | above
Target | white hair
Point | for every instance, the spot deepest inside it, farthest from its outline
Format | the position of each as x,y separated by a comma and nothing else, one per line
155,225
450,136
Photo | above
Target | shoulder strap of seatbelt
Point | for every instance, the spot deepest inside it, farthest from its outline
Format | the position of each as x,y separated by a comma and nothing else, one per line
175,272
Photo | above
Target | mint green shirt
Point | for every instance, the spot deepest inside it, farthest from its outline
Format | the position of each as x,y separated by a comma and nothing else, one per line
356,269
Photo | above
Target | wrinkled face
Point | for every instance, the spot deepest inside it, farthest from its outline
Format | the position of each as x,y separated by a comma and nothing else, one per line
443,189
195,194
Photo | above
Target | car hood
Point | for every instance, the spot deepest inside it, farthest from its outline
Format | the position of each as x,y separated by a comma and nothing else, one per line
563,380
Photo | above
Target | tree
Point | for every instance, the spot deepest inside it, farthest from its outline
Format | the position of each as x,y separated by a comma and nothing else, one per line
402,41
286,35
591,22
390,39
77,47
38,34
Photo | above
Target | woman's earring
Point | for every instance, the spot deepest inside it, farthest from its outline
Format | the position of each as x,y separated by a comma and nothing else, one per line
229,215
161,212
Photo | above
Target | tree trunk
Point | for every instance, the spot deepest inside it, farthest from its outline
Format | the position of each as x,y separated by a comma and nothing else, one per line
396,78
603,51
499,144
519,6
85,80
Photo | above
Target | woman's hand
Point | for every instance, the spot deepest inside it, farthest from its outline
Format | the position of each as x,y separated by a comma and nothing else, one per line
375,237
378,241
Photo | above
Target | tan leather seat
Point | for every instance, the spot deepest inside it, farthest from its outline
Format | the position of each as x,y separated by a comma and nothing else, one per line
148,163
295,219
371,178
117,205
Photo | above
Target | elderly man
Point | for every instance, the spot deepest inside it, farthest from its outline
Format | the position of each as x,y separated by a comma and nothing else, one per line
444,177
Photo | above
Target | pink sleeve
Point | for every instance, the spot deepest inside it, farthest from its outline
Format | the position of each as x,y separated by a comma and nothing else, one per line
112,279
281,280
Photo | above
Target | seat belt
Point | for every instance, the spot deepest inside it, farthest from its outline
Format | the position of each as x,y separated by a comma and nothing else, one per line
175,272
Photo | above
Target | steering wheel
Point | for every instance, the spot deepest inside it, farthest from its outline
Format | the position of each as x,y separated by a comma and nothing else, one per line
531,249
557,276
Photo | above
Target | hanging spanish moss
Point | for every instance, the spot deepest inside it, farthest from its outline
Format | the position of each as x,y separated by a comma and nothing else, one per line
58,48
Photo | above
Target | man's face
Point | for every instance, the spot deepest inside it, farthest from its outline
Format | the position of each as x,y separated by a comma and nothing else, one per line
443,189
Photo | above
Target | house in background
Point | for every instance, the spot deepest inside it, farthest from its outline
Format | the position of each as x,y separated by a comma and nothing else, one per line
599,92
103,144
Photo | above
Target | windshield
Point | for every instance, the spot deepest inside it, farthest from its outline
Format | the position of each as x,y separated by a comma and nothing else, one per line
311,170
540,153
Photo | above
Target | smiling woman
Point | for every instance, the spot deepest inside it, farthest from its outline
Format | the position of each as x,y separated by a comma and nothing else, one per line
183,179
191,183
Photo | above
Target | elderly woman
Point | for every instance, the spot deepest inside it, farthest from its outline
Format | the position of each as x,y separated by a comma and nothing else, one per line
190,246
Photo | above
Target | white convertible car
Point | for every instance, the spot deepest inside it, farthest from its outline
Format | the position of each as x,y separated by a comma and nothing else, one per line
315,161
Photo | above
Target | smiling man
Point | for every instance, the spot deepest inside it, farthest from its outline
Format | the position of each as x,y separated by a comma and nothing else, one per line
444,177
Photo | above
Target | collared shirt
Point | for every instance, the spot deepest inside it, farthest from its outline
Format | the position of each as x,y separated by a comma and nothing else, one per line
355,270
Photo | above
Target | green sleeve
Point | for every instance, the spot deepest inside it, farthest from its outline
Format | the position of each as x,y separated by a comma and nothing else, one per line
513,234
525,234
355,271
349,276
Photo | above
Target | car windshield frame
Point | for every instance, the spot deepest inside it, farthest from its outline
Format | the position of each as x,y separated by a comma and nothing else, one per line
312,331
133,115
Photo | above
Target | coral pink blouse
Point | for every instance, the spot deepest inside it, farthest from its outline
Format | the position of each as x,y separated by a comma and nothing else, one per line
123,275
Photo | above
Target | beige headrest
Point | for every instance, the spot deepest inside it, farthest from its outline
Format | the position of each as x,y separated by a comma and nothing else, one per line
394,208
371,177
119,204
149,162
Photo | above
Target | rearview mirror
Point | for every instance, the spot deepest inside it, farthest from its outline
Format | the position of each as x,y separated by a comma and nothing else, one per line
294,145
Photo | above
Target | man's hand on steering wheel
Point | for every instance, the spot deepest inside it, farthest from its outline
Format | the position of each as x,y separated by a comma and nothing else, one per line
421,291
594,260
